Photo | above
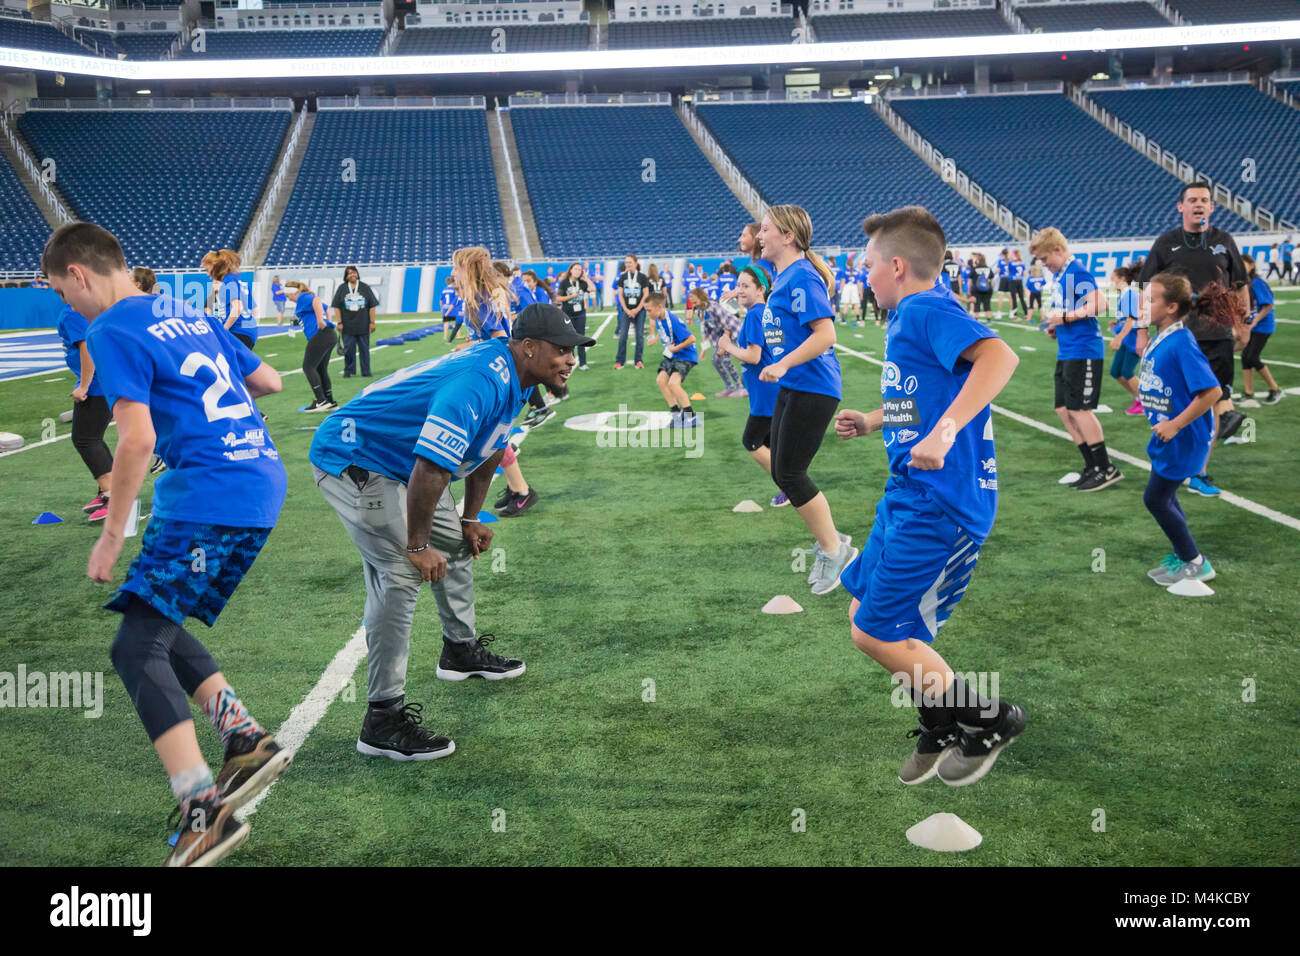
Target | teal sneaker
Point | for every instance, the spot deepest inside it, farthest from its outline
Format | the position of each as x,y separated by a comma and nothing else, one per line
1167,564
1187,571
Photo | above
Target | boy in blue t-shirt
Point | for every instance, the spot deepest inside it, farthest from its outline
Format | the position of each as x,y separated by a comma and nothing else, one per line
942,370
1262,324
278,298
1080,351
177,381
680,356
1123,367
1178,391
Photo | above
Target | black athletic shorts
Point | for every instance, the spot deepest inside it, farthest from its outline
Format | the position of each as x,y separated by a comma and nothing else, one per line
983,302
680,366
1004,284
1219,354
1078,383
757,432
1250,355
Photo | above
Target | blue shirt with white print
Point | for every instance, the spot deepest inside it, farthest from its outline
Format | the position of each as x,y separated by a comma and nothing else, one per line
1174,371
455,410
1081,338
799,298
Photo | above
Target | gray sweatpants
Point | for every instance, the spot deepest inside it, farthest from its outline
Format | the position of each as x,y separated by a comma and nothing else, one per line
375,519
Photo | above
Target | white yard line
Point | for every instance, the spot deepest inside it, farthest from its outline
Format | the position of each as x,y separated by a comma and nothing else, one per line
1245,503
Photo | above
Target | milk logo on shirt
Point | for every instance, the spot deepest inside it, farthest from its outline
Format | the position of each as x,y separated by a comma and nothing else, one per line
773,334
890,377
354,301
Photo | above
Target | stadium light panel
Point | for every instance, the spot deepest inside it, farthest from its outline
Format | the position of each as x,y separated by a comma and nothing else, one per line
651,59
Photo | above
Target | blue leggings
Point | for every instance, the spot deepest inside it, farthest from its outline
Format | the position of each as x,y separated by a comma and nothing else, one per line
1161,499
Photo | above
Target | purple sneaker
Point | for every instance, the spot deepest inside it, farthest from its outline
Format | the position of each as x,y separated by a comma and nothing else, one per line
780,500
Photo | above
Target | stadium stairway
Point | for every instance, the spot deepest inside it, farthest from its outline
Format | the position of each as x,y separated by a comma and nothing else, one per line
517,211
1013,19
54,216
281,200
976,195
728,171
598,15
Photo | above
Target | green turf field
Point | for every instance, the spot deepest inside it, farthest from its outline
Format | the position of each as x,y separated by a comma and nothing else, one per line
633,569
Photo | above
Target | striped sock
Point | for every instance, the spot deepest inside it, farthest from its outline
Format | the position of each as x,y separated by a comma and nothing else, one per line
229,716
193,784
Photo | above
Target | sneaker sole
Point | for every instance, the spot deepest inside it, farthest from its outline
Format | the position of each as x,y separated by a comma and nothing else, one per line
1203,494
1167,584
985,766
486,675
1105,484
223,849
852,557
934,769
266,775
369,751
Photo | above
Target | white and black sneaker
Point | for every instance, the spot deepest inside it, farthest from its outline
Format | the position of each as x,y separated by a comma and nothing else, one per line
979,747
395,732
934,742
460,660
1096,479
538,416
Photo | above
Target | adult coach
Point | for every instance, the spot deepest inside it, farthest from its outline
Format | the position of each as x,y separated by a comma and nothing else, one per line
1204,254
385,462
632,288
354,308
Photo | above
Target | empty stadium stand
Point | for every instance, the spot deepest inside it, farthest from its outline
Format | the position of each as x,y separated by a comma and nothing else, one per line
26,35
592,190
423,187
518,39
252,44
1064,17
170,184
1052,164
23,229
855,165
132,46
1236,11
1192,122
904,25
732,31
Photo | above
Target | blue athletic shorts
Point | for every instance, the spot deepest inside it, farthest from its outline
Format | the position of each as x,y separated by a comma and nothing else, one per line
185,568
913,570
1125,363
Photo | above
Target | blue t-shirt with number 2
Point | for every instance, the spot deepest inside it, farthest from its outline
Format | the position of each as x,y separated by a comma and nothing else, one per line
799,298
454,410
922,374
222,467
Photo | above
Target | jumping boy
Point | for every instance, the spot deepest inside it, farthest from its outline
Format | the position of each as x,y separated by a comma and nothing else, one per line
942,369
680,356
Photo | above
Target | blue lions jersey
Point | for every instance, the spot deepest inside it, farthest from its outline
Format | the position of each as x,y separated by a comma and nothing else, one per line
798,298
454,410
1174,371
223,468
674,330
762,395
1080,339
449,303
922,374
72,330
490,320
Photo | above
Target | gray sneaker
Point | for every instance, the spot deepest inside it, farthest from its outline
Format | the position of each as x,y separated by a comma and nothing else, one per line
924,761
816,549
1168,563
827,568
978,749
1187,571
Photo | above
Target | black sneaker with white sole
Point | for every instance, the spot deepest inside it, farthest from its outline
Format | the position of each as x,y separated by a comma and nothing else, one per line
518,504
1096,479
461,660
978,748
1229,423
504,497
934,742
538,416
395,732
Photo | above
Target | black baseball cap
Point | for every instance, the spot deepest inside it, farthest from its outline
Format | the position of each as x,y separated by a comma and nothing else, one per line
544,321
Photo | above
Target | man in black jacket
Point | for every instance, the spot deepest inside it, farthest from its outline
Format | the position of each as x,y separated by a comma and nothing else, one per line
354,309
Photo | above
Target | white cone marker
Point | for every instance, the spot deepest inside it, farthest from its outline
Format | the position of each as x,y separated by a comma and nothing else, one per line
1190,588
782,604
945,832
1069,479
747,507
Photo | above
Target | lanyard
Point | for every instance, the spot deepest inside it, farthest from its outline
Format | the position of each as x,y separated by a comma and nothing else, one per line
1162,336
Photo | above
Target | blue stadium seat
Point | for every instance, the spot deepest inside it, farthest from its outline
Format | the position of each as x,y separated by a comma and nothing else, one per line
518,39
902,26
854,165
1052,164
1065,17
593,192
171,185
23,229
424,187
254,44
1262,129
131,46
697,32
1217,11
26,35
